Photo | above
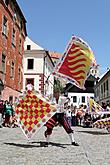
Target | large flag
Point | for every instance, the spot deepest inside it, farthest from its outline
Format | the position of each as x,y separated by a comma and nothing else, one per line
33,111
94,107
103,123
76,62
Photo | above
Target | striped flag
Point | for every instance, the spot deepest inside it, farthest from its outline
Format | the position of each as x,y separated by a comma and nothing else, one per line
94,107
76,62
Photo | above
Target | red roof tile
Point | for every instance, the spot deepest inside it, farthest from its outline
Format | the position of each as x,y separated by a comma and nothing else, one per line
55,54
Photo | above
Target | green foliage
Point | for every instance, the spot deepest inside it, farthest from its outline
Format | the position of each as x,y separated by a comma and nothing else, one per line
58,86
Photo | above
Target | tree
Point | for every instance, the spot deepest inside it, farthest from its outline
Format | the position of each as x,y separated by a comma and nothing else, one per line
57,85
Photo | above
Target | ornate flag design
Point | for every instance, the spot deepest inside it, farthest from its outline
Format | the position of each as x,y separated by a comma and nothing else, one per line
103,123
33,111
94,107
76,62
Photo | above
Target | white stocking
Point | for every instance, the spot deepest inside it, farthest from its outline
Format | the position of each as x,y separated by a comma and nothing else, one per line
71,136
48,138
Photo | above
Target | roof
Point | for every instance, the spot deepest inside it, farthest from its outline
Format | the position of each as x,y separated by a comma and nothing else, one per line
91,78
19,9
55,55
104,74
47,52
21,14
34,46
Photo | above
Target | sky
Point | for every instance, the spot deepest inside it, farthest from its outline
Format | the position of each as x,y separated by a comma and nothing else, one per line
51,23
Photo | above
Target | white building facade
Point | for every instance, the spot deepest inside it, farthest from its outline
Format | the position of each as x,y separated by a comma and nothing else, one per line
79,98
37,65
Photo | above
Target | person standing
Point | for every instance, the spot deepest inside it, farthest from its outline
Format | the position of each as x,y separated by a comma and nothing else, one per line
68,114
1,112
74,113
8,114
59,117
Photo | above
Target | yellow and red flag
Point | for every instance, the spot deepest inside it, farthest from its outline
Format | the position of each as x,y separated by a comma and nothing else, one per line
103,123
94,107
76,62
33,111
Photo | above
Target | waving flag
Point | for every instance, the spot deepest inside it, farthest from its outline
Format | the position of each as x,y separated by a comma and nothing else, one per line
103,123
94,107
76,62
33,111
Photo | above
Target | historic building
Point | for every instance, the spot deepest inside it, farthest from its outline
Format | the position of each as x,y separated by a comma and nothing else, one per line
79,96
102,88
12,37
38,67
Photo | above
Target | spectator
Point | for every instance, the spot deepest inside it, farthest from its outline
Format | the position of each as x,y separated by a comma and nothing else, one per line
68,114
1,112
74,113
8,114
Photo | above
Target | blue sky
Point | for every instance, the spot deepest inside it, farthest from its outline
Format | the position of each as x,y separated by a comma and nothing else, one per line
51,23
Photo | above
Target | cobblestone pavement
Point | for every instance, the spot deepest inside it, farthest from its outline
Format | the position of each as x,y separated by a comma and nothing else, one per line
94,147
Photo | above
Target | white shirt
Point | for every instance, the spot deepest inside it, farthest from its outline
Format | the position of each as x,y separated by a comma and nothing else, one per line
29,87
68,113
60,105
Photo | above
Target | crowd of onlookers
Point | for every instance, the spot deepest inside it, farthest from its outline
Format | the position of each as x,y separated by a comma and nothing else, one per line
77,116
7,114
80,116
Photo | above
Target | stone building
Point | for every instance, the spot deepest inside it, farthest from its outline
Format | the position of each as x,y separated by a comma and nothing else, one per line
12,37
102,88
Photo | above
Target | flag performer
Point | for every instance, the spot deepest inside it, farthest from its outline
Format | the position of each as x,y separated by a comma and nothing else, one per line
59,117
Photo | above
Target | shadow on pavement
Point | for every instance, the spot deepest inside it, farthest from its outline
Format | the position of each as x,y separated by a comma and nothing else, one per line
41,144
94,132
53,144
23,145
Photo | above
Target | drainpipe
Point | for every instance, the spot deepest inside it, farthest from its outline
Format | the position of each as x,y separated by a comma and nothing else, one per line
44,92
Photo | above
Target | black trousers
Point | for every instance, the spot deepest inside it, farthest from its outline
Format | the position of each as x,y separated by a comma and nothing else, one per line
61,119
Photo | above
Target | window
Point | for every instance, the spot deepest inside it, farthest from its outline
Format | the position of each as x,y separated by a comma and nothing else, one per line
30,81
3,63
30,64
101,89
95,71
19,75
21,25
28,47
6,2
107,85
12,70
13,37
74,99
20,46
11,99
14,14
104,87
83,99
5,26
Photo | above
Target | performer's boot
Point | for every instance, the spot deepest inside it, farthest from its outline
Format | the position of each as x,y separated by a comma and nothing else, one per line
72,139
47,139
